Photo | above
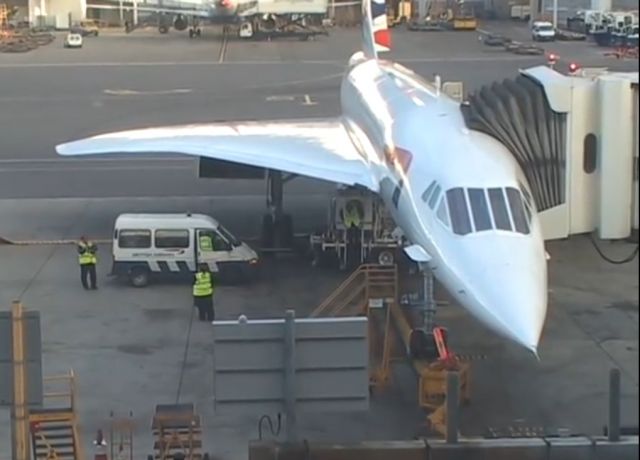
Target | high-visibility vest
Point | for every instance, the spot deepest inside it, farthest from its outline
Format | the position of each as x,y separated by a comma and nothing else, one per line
203,285
206,244
351,217
87,256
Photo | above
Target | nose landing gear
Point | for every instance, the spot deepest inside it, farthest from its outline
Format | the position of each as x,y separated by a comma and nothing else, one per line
194,30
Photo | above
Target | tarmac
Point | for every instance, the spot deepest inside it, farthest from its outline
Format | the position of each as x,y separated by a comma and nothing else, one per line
126,345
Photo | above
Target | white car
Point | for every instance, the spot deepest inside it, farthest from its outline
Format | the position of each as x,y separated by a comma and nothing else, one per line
73,40
542,31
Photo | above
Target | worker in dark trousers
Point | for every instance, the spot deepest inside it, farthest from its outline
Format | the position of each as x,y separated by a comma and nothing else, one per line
203,293
87,259
352,221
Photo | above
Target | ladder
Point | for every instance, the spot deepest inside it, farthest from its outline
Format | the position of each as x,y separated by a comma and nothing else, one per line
370,290
121,437
4,16
178,433
54,427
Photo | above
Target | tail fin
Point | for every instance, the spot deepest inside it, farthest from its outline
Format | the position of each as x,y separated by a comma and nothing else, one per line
376,35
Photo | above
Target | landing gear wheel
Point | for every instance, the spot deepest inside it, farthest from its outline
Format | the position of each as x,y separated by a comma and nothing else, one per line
163,29
191,33
198,32
139,277
385,257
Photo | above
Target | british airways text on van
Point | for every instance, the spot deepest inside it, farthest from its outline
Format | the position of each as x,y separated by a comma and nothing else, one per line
174,244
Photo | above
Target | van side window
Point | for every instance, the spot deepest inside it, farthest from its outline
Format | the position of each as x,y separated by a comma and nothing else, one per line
172,239
138,239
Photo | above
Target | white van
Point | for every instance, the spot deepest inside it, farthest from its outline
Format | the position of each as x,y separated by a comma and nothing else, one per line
170,244
542,31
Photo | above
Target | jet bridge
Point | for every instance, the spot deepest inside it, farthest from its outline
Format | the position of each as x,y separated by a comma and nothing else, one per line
576,139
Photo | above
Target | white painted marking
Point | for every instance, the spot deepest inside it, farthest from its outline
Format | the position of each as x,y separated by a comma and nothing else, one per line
308,101
76,65
280,98
223,47
131,92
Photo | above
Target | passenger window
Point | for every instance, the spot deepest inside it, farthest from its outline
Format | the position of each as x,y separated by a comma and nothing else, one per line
479,209
460,222
434,197
517,211
174,239
443,213
499,209
134,239
427,192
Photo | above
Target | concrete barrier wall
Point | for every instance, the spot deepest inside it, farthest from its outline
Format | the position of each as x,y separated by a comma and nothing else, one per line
571,448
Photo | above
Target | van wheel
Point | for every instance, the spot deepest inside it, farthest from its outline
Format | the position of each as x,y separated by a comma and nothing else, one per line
139,277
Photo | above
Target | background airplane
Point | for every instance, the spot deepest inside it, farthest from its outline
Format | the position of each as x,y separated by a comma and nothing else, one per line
259,14
458,195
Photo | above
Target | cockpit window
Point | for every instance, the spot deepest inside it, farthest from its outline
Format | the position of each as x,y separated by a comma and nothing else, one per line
517,211
434,197
443,213
485,210
527,196
499,209
528,202
427,192
479,209
457,202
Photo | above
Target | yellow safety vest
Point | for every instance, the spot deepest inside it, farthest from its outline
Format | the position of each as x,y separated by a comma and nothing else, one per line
203,285
351,217
205,243
86,256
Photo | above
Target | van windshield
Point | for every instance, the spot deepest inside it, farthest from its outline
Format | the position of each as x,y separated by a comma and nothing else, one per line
228,236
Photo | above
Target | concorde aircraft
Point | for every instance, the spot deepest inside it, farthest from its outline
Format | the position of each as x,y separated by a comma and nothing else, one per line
458,195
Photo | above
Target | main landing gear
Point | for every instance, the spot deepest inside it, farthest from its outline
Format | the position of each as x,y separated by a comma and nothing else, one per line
277,227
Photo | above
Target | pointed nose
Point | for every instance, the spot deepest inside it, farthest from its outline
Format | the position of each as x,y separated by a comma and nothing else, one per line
509,292
519,311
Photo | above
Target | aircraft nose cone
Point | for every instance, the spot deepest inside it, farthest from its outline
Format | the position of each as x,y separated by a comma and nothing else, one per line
521,314
511,295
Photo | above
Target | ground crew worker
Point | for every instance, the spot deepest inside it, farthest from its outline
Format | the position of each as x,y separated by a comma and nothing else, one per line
100,447
206,242
352,220
87,260
351,215
203,293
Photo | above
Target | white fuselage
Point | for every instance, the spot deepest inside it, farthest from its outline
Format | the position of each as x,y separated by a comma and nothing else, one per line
499,275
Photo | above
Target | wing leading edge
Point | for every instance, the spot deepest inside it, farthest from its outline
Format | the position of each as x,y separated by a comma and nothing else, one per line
318,148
